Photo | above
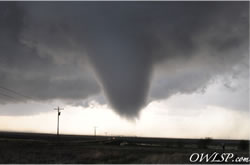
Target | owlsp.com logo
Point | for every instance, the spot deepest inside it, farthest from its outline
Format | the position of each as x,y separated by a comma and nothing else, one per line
216,157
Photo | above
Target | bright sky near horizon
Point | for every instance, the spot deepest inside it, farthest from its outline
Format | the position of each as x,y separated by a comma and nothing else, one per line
174,117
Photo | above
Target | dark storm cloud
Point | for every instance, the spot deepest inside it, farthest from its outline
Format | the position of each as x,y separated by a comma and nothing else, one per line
28,70
47,48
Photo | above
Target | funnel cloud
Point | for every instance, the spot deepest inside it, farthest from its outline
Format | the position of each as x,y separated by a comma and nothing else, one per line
130,52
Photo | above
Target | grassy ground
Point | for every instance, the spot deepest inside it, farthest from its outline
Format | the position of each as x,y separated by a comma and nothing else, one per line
44,150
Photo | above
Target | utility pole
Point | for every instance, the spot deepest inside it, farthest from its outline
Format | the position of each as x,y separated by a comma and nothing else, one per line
95,130
58,114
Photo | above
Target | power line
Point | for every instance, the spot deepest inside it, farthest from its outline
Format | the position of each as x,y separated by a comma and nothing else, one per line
17,93
2,94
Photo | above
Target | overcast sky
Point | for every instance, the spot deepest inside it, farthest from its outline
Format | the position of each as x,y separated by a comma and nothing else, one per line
145,67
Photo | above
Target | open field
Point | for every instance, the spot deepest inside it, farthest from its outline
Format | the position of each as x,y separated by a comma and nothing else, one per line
48,148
